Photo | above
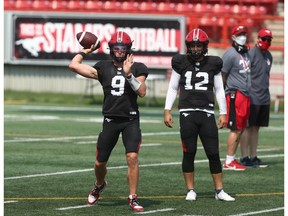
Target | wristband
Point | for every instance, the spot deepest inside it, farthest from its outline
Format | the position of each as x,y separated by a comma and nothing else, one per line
134,83
129,77
83,54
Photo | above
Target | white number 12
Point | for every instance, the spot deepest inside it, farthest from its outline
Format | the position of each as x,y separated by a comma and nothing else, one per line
198,85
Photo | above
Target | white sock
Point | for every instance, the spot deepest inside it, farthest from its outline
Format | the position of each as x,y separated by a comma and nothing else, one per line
229,159
132,195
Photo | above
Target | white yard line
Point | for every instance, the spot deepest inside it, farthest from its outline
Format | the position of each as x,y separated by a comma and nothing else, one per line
73,207
119,167
50,139
259,212
155,211
151,144
79,137
95,136
10,201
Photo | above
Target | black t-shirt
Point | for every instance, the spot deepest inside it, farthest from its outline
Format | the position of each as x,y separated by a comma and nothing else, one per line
196,81
119,98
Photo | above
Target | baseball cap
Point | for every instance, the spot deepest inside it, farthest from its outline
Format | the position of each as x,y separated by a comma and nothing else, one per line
265,32
239,29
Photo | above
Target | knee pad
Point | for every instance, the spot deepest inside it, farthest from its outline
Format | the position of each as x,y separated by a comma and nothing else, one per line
188,162
214,163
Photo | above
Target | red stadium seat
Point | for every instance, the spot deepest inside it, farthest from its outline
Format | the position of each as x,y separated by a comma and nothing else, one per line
184,7
202,8
238,9
221,8
93,5
130,6
111,5
148,6
257,10
76,4
22,5
59,5
9,4
166,7
41,4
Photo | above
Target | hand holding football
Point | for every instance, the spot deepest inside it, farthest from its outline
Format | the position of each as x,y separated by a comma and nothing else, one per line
86,39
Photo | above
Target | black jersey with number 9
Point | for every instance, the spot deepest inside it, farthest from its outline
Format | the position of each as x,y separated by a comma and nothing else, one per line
119,98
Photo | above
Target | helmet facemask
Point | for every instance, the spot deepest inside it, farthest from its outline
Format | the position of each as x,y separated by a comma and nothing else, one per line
197,54
120,42
119,48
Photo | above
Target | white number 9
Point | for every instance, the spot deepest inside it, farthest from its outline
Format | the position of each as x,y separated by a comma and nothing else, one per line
118,83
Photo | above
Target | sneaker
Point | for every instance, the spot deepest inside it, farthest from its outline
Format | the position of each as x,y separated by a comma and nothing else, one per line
95,193
234,165
134,203
258,163
191,195
246,161
224,196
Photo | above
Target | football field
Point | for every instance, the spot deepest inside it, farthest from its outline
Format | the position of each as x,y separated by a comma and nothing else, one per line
49,153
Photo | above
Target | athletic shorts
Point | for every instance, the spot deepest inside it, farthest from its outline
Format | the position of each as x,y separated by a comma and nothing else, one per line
108,137
199,123
259,115
238,110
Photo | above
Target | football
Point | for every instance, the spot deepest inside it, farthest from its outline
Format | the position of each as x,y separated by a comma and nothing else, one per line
86,39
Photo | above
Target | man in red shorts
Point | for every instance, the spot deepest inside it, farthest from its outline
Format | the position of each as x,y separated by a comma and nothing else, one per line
237,81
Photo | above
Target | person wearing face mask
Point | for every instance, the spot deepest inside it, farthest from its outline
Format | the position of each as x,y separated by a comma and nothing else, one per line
237,81
261,62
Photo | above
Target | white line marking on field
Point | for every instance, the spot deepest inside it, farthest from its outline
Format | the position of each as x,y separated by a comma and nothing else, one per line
120,167
158,210
49,118
150,144
50,139
259,212
95,137
271,149
86,142
73,207
142,145
48,174
10,201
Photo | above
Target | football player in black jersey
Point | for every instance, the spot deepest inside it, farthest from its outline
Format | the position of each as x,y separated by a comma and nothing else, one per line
197,75
122,80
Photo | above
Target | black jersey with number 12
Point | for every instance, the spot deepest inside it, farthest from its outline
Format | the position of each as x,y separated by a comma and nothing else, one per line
196,81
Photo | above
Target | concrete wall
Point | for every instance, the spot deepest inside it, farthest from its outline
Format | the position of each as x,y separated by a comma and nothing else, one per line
59,79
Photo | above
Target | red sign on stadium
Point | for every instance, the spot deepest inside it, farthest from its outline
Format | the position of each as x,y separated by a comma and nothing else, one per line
44,39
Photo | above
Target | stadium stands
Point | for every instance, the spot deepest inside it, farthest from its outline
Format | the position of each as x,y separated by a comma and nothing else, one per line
215,16
253,7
